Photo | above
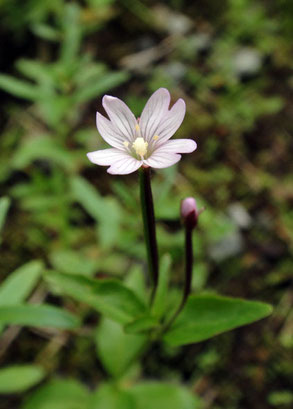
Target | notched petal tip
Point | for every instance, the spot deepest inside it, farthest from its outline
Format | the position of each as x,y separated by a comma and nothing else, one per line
108,97
162,89
99,118
181,102
107,100
161,93
110,171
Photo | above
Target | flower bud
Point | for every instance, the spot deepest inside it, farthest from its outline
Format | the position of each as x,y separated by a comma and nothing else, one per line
189,212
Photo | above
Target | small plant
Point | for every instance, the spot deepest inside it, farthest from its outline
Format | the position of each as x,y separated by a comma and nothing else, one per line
133,314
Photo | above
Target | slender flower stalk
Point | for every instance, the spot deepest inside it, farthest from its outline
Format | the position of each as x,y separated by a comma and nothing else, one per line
148,216
142,143
189,216
188,265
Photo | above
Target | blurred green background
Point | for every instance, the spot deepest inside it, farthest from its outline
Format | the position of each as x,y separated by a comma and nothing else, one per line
231,61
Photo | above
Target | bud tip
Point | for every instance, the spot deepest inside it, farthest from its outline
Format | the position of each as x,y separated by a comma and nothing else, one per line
189,212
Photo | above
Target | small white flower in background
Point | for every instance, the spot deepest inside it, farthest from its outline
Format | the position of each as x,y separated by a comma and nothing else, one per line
144,141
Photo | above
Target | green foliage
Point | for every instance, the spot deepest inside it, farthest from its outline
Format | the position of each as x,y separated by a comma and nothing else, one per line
117,349
4,206
109,396
159,304
280,398
231,62
59,394
151,394
110,297
68,261
205,316
19,378
19,88
37,316
142,324
106,211
19,284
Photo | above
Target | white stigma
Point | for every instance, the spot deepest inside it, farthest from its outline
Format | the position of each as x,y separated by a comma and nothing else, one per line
140,146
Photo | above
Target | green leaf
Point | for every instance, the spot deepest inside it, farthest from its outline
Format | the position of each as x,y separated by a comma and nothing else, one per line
111,397
37,316
205,316
106,211
135,280
19,378
59,394
90,73
99,85
4,206
87,195
41,148
72,33
281,398
160,300
46,32
54,107
142,324
19,284
109,297
150,395
116,349
19,88
72,262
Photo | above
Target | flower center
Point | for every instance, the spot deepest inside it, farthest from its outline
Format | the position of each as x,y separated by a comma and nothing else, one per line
140,146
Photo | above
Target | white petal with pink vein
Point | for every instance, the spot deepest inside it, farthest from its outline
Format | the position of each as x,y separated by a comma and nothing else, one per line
143,141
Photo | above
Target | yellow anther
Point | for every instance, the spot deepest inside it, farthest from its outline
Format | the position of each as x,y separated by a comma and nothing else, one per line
125,143
140,146
156,137
137,127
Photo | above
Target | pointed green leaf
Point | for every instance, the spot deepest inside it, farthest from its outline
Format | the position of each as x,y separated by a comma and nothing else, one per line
116,349
19,378
19,88
142,324
99,85
105,210
59,394
37,316
72,262
35,70
205,316
109,297
111,397
41,148
19,284
150,395
72,33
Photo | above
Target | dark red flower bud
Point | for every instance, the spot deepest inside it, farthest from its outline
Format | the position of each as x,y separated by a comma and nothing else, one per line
189,212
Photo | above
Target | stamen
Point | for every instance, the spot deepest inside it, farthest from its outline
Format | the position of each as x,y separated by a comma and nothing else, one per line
125,143
137,128
140,146
156,137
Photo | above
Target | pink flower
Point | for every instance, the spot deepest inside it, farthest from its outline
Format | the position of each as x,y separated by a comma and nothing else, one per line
143,141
